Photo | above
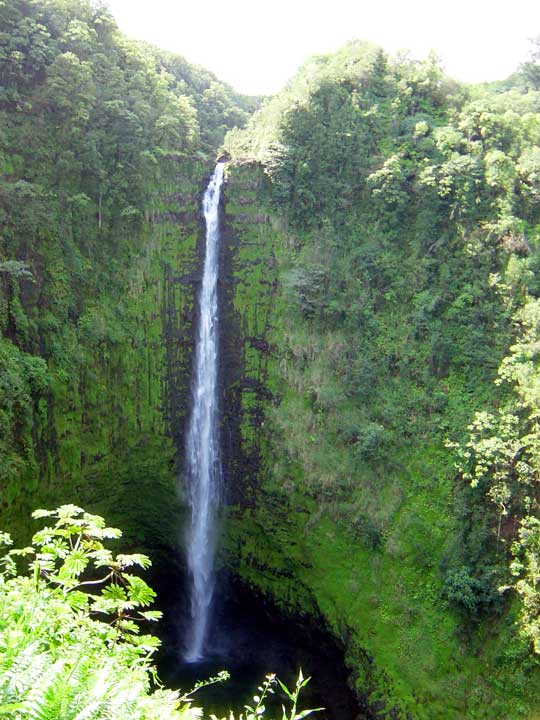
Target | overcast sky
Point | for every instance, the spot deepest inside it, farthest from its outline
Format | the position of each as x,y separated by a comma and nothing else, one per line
257,46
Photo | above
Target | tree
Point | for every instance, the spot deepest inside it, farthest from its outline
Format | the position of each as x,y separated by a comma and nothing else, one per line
530,70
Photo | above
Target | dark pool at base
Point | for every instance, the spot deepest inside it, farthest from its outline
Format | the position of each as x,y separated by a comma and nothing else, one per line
233,694
251,638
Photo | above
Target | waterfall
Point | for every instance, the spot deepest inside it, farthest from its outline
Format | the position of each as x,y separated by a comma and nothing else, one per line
202,442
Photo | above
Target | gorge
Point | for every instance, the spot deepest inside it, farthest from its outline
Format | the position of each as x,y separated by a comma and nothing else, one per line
375,386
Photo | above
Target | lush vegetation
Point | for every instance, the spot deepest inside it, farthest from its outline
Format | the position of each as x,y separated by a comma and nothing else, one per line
103,145
408,221
70,632
383,313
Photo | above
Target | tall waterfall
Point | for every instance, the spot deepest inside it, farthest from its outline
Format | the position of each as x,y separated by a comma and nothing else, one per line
202,443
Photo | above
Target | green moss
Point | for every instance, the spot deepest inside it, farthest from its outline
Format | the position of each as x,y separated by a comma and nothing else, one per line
334,526
103,433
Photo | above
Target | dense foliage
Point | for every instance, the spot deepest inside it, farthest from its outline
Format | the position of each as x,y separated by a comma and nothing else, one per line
103,144
409,208
399,383
58,658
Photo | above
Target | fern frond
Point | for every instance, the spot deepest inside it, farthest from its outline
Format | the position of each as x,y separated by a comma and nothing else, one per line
46,698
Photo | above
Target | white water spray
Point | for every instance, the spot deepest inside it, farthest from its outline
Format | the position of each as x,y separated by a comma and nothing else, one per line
202,444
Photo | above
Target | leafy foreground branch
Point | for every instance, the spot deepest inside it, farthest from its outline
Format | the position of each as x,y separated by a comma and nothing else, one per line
70,640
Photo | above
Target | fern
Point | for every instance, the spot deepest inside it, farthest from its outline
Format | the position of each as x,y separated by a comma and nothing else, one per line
47,699
19,671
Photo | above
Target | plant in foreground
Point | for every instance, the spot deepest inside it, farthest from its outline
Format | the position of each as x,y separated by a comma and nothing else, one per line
258,709
70,640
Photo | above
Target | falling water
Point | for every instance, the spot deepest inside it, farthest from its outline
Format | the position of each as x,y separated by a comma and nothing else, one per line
202,445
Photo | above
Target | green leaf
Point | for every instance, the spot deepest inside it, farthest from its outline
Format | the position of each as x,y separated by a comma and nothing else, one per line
146,642
139,592
68,512
110,533
22,552
5,539
43,513
285,690
134,559
103,605
74,564
43,537
101,557
11,707
114,592
128,626
78,600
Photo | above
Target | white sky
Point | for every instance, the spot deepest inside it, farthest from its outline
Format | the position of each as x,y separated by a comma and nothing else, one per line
257,47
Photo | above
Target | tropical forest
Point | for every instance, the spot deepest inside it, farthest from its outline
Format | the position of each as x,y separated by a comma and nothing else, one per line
269,384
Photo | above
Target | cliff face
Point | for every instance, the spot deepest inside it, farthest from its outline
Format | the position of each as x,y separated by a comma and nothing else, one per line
366,558
248,296
105,430
277,539
104,145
